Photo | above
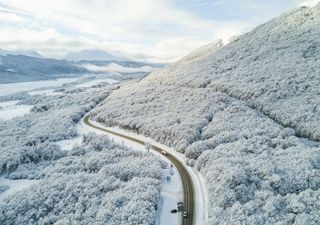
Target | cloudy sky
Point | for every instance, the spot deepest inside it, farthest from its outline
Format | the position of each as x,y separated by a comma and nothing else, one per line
154,30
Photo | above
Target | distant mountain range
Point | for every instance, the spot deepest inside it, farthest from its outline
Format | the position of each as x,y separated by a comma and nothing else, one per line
94,55
21,52
22,66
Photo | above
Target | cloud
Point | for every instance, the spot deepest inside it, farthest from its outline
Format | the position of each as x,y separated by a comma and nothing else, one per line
158,30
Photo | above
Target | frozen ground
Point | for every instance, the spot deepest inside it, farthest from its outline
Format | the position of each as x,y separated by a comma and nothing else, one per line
14,185
171,193
6,89
8,104
9,110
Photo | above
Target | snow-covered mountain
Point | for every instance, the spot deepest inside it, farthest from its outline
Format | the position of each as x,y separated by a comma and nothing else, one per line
94,55
21,52
21,68
246,114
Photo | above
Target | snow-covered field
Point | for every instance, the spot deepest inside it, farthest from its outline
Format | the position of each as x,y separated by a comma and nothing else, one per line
6,89
14,186
116,68
45,92
9,112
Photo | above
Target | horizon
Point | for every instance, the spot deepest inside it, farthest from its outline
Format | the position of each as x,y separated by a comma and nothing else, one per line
160,31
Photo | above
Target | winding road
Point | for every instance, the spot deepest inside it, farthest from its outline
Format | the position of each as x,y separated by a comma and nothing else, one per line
188,188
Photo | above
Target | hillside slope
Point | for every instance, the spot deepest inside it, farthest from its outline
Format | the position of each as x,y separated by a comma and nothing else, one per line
246,114
272,68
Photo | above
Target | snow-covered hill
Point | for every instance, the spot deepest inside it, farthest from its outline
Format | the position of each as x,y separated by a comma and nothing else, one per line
21,52
246,114
21,68
274,68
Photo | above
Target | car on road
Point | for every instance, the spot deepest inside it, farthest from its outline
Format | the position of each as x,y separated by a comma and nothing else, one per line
185,214
174,211
164,153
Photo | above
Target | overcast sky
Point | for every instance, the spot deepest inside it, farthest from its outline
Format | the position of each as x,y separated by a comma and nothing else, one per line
154,30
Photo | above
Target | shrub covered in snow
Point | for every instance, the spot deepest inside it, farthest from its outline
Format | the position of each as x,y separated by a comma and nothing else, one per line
31,138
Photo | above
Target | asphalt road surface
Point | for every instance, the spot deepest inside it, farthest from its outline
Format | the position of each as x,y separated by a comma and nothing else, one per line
188,189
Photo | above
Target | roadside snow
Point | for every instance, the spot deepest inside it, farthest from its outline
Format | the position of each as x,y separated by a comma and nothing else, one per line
171,193
14,185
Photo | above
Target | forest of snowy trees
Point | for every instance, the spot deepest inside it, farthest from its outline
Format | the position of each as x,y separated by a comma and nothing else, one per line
273,68
247,114
53,118
96,182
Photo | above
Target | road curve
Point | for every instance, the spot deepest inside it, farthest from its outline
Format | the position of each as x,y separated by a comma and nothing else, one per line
188,189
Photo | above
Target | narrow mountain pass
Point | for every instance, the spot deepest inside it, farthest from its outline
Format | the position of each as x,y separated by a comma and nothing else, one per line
186,178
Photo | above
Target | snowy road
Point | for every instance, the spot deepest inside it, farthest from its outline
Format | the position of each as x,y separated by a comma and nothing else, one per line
187,182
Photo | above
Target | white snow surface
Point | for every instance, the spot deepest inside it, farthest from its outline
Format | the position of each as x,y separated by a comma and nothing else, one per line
171,193
309,3
9,110
14,185
6,89
45,92
8,103
116,68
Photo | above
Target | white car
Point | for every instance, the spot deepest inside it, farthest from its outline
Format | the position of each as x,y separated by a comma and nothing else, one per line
164,153
185,214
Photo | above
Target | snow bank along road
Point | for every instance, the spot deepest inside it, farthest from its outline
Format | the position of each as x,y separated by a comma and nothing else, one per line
188,189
